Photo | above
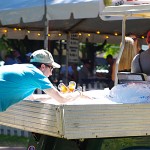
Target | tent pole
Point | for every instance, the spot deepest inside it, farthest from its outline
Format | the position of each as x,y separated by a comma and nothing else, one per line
46,26
46,34
67,56
121,49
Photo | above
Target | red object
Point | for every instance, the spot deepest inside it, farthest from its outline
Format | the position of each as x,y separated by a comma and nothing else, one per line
148,37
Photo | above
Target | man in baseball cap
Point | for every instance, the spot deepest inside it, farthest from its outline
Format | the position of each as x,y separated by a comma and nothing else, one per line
43,56
19,81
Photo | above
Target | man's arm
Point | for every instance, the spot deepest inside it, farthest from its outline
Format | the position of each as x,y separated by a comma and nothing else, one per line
62,98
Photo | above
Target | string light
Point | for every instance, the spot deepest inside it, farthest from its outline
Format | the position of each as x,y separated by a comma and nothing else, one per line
116,34
79,34
107,37
5,31
142,37
98,32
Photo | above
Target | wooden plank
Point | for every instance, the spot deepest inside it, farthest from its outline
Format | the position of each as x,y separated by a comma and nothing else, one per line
106,134
29,124
41,131
32,116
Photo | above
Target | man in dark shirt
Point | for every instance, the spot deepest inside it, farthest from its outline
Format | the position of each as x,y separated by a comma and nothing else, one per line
141,61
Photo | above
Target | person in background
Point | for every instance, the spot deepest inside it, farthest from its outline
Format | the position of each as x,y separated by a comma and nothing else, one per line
9,60
13,57
110,62
137,43
128,54
84,72
75,72
17,56
19,81
28,57
141,62
69,77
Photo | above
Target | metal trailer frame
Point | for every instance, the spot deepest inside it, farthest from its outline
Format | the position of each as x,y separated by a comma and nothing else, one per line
81,121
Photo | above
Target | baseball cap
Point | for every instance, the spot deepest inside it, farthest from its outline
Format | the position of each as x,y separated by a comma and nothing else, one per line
43,56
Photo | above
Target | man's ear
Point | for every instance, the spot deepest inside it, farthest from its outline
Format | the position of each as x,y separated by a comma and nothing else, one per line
42,67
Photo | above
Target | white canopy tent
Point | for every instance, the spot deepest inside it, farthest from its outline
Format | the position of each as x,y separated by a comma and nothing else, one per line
63,16
11,12
59,15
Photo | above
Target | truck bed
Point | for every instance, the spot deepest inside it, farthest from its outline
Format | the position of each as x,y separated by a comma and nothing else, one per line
82,119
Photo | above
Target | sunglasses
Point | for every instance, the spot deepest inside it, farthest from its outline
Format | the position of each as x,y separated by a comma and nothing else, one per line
50,67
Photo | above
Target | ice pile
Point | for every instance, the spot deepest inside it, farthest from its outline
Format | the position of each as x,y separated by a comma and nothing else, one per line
130,93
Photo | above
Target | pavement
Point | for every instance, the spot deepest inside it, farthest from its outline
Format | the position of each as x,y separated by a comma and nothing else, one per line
12,148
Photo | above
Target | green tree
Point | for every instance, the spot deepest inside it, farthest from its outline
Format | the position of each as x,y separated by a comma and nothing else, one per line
4,43
112,49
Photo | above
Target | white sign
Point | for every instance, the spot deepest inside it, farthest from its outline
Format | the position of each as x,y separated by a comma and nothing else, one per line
104,4
73,48
125,2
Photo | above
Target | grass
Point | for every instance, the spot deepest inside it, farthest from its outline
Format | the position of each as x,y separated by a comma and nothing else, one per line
120,143
13,141
108,144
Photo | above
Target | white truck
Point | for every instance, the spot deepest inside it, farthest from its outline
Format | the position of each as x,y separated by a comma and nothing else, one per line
95,124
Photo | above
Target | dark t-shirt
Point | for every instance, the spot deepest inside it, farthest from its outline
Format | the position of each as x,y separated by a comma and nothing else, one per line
145,63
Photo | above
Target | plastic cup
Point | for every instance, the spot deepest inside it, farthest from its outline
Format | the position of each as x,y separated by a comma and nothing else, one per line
72,86
62,87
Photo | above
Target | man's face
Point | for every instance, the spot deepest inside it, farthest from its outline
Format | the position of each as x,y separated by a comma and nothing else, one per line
46,69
